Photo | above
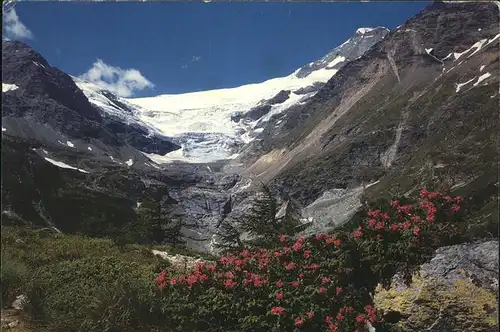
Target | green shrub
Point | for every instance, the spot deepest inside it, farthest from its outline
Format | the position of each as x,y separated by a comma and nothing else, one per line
14,276
92,294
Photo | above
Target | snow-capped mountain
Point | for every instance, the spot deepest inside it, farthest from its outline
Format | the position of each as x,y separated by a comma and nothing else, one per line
216,124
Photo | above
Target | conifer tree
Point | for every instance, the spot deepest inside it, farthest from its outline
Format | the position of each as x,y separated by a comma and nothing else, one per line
228,238
263,224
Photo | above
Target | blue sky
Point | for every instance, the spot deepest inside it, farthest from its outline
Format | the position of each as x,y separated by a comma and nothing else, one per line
158,48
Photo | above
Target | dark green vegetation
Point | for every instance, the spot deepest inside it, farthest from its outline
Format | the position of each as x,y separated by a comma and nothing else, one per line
102,204
78,283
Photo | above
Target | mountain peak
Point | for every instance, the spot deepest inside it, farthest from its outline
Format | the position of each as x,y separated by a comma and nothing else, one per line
354,47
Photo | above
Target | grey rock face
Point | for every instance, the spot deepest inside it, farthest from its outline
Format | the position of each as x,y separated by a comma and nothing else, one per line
47,97
355,47
478,261
456,291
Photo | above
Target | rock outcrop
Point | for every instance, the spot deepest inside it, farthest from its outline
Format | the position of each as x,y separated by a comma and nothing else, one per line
456,291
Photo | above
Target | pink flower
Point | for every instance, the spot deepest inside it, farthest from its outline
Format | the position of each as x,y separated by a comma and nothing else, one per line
301,276
307,254
360,319
278,311
340,317
299,321
295,284
455,208
297,246
416,231
322,290
310,314
321,236
279,296
339,290
279,283
173,281
395,203
325,280
372,223
283,238
314,266
415,219
358,233
228,283
289,266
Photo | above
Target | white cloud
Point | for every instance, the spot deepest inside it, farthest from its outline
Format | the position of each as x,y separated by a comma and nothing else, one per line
122,82
13,28
184,66
196,58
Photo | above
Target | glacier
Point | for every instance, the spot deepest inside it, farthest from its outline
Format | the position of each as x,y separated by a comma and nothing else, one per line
204,123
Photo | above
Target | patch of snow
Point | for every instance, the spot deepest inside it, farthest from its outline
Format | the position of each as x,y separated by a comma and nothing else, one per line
482,78
363,30
258,130
4,129
71,145
460,85
9,87
478,45
44,151
372,184
129,162
428,50
449,70
89,148
153,165
479,29
345,43
446,57
38,64
493,39
335,61
63,165
482,67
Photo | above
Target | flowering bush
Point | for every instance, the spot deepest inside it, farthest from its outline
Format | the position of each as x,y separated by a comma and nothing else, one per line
321,283
406,233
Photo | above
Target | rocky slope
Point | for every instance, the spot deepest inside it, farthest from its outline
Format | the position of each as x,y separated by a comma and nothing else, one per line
43,103
420,107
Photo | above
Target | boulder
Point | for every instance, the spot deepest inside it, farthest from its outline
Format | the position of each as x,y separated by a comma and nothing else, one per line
456,291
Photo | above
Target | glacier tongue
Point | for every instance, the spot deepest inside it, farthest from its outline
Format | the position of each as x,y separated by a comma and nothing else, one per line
201,122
